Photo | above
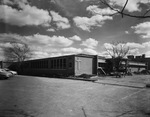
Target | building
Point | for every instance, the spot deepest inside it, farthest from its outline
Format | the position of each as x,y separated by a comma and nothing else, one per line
73,65
70,65
4,64
127,65
141,59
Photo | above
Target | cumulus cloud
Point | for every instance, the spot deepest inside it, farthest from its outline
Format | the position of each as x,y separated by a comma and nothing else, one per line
71,50
29,15
127,32
48,45
89,51
75,37
147,54
133,5
143,29
20,3
146,44
4,38
86,23
61,22
56,41
90,43
5,45
51,30
134,48
133,45
134,51
94,9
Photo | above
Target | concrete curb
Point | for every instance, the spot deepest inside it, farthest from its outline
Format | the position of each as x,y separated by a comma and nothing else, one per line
124,84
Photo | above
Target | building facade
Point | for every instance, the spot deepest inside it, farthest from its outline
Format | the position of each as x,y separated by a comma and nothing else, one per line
74,65
70,65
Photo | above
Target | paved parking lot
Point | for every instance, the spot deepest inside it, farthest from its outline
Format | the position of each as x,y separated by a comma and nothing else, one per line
27,96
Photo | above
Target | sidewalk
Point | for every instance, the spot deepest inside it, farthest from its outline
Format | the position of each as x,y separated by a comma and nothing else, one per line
121,83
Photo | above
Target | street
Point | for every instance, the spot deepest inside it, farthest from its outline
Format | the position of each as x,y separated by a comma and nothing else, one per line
28,96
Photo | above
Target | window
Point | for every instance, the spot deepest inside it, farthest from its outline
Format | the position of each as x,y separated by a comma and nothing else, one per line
70,65
55,64
52,64
61,64
58,63
64,63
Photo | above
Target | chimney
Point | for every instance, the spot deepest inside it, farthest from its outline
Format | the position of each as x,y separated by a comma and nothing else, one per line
130,56
143,55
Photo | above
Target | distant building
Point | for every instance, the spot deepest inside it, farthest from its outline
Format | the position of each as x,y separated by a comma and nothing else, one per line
142,59
127,65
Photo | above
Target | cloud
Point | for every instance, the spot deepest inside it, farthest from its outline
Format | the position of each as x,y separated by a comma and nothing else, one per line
5,45
143,29
71,50
4,38
101,11
133,5
147,54
146,44
41,45
75,38
90,43
61,22
55,41
126,32
134,48
134,51
133,45
89,51
27,16
15,2
40,54
86,23
51,30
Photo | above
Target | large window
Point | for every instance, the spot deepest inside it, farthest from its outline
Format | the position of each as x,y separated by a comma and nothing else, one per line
41,64
58,63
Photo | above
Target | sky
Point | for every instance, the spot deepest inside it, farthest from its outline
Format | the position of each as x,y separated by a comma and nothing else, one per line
61,27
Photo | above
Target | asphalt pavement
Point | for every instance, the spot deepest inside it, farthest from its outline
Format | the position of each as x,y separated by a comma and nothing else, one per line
28,96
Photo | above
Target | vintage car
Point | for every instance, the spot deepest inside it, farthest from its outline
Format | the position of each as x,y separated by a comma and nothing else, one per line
4,74
12,72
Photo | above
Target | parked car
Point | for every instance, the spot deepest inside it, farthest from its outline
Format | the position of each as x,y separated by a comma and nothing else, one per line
4,74
12,72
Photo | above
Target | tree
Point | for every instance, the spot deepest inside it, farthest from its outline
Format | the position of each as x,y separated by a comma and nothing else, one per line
117,51
120,11
17,52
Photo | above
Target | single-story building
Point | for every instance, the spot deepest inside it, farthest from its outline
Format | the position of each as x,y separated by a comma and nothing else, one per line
70,65
73,65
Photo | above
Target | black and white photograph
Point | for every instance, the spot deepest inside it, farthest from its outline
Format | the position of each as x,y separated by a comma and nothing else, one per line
74,58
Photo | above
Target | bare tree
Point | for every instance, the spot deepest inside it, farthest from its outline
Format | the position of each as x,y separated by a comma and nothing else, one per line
122,12
117,51
17,52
